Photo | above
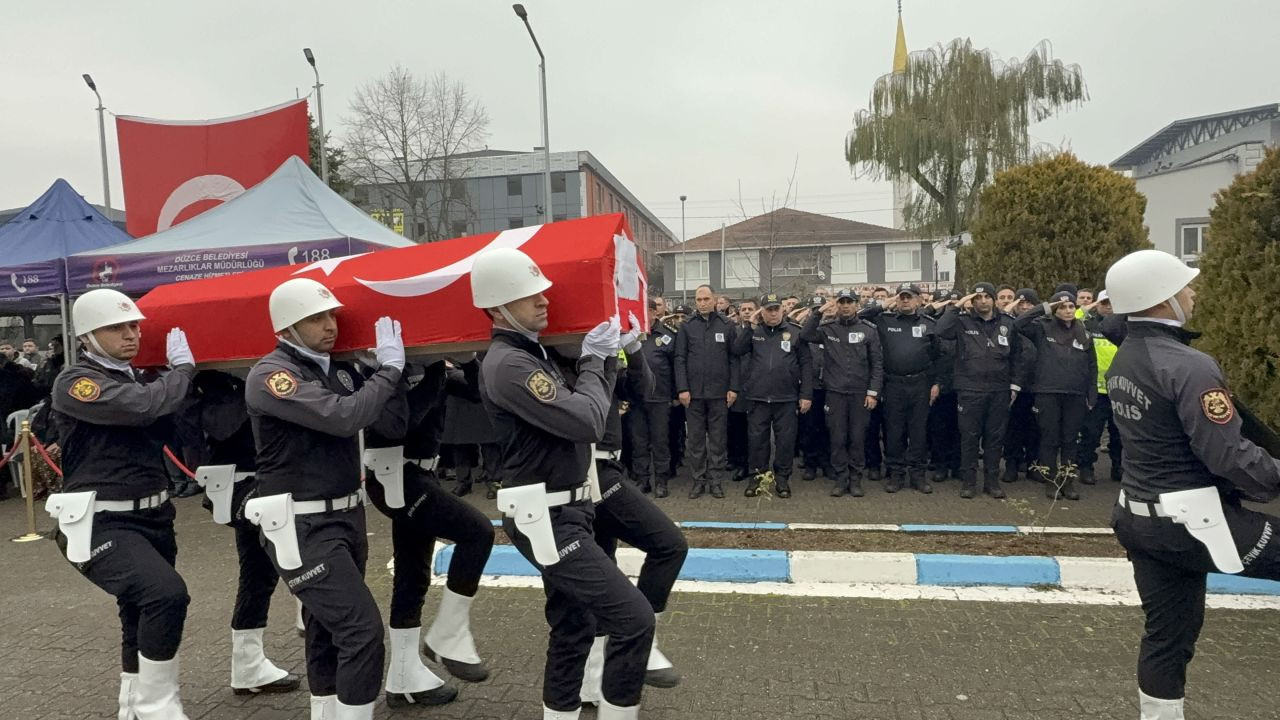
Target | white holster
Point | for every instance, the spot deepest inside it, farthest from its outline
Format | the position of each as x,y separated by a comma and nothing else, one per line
74,513
219,482
527,506
593,478
274,514
387,465
1200,511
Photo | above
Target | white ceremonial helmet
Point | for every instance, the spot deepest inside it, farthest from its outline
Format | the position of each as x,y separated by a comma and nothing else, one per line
1142,280
297,299
504,275
102,308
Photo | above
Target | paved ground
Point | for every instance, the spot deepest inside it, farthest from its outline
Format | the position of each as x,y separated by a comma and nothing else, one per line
747,657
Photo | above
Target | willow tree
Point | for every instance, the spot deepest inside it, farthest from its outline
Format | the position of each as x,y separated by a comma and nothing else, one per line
952,117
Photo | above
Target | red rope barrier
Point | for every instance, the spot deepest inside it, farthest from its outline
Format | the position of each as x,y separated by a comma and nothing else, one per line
5,461
174,459
44,454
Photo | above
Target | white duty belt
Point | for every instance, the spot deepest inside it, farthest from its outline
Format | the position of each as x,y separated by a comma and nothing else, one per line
1200,511
74,513
275,514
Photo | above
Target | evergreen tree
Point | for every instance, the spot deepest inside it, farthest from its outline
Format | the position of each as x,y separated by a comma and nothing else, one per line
1239,277
337,181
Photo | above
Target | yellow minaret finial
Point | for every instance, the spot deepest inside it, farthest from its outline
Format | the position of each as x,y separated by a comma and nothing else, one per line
900,49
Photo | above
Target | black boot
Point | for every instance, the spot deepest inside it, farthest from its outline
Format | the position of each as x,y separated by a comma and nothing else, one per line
855,485
463,487
753,485
717,491
992,487
968,485
490,490
894,482
783,486
840,488
1069,491
921,483
1010,473
810,474
873,474
699,489
1086,475
660,487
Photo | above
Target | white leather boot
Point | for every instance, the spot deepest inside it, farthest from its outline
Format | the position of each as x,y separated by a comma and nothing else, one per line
324,707
1150,708
549,714
609,711
353,712
593,673
128,687
157,691
251,671
449,641
409,681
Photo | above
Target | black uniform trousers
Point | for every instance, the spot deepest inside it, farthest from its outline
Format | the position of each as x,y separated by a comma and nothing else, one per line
705,446
471,461
906,421
624,513
1059,417
780,418
650,440
739,446
676,434
983,419
874,442
1098,420
943,430
1169,568
344,632
811,436
846,418
1022,434
429,512
132,556
586,591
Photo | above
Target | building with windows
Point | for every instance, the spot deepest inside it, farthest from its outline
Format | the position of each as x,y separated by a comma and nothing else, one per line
1180,168
792,251
499,189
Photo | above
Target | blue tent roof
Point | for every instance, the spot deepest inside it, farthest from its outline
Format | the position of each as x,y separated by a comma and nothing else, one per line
56,225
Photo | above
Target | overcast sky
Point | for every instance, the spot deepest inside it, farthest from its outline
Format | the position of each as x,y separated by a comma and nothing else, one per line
675,97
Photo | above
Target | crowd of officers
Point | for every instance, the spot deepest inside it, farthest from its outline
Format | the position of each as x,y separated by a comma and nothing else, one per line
873,385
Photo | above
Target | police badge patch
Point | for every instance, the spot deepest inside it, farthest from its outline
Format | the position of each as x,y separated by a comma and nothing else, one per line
786,336
541,385
1216,404
1004,329
84,390
281,384
344,377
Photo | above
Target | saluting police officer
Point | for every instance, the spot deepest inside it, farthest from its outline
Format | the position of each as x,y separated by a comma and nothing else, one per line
778,381
403,485
651,414
853,372
1187,465
912,376
307,413
985,358
546,497
223,420
114,516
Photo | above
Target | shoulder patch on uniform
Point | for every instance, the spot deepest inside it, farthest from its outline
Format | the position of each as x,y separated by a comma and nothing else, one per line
1216,404
541,385
85,390
281,384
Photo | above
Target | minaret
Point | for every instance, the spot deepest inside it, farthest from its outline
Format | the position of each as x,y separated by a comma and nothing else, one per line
901,185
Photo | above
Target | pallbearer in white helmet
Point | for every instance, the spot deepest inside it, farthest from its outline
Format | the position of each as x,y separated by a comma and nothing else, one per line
1187,465
114,516
549,430
307,410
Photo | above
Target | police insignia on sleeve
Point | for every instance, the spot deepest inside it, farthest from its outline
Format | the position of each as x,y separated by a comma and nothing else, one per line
344,377
85,390
1217,406
281,384
541,385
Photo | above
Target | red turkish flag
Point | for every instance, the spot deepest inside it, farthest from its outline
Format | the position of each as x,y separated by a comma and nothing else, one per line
175,170
593,264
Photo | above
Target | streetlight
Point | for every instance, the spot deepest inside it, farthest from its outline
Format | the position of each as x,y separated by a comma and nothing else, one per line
684,267
102,144
324,157
542,88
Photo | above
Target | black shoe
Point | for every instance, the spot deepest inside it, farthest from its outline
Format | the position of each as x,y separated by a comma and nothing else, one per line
810,474
491,491
967,490
782,488
873,474
664,678
660,489
893,484
922,485
753,489
992,488
288,683
462,489
439,696
717,492
936,476
1086,476
699,489
1069,490
855,487
1010,475
839,489
467,672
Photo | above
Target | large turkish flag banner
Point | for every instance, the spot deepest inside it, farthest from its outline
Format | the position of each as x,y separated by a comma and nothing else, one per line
175,170
592,263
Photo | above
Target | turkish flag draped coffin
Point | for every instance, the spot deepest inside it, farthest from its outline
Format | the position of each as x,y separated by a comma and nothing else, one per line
593,264
175,170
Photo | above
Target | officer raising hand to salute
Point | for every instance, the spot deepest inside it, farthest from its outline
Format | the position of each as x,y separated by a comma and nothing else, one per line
307,410
1187,465
114,516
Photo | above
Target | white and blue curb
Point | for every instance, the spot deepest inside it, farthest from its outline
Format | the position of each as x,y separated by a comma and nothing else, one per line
805,567
884,527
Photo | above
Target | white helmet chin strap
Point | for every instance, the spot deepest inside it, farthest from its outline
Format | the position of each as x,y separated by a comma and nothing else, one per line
506,314
1177,310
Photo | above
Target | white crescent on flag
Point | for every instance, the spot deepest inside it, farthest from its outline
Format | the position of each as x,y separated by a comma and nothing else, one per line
429,282
203,187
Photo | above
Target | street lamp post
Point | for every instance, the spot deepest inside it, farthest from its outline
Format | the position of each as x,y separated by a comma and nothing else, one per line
684,267
324,156
542,89
102,144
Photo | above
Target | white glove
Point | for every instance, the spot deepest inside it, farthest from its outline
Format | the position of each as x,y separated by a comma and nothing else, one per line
177,349
604,340
631,339
390,350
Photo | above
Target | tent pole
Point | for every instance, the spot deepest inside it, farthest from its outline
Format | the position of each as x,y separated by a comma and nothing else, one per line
68,342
